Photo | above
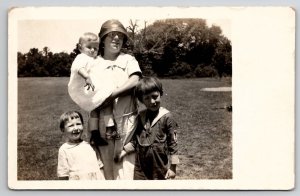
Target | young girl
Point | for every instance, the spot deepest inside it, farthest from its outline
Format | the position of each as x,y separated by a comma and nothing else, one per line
90,85
155,140
77,160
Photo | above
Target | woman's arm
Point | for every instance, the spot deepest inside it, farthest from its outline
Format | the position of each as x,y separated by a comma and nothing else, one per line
127,86
123,90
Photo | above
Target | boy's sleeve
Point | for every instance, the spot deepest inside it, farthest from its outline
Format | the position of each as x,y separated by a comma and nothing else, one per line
62,165
131,146
172,139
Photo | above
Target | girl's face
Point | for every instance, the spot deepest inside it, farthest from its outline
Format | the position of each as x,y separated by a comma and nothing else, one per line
113,42
152,101
90,48
73,130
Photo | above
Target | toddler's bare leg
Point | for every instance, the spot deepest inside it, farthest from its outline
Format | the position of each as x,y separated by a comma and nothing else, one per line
111,132
93,127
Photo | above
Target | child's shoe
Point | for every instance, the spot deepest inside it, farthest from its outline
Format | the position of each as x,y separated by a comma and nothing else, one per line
117,136
111,135
96,139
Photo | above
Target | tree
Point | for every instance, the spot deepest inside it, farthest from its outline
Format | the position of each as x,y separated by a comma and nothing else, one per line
21,64
44,63
165,48
46,50
189,41
222,59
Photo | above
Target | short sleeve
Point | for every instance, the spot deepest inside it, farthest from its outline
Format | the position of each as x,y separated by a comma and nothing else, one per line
62,165
79,62
132,66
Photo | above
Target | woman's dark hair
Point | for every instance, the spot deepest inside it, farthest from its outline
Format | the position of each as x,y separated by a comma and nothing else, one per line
101,46
147,85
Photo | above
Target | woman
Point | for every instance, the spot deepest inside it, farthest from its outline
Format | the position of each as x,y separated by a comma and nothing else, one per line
125,75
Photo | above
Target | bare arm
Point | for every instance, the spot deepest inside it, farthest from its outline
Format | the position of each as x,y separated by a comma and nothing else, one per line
123,90
127,86
85,75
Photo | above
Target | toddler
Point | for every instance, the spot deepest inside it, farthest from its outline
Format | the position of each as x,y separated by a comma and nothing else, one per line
77,160
90,84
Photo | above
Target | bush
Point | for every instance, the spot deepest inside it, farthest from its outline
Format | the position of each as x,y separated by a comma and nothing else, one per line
180,69
205,71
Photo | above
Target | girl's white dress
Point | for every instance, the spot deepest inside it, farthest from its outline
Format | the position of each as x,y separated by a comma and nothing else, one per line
79,162
101,78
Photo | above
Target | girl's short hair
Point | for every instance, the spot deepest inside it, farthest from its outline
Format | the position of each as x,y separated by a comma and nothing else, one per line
65,117
147,85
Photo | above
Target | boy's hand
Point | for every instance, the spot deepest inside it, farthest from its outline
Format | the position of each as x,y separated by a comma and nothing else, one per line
119,157
89,84
171,173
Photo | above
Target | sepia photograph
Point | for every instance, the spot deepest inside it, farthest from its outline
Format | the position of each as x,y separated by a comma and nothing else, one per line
128,94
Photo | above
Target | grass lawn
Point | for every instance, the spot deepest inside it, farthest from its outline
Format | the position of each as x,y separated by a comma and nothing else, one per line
204,135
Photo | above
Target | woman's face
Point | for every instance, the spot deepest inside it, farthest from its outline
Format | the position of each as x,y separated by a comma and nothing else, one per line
113,42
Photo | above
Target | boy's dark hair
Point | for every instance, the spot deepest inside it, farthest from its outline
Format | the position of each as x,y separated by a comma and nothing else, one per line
147,85
66,116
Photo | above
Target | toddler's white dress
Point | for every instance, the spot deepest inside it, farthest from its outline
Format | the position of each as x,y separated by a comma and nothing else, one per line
101,78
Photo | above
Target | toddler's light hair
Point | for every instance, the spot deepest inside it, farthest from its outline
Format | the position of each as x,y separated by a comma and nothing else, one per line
65,117
88,37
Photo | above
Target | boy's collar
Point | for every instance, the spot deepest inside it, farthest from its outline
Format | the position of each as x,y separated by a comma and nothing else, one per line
161,112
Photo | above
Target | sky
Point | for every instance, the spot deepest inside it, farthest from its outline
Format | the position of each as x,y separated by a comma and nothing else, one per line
61,34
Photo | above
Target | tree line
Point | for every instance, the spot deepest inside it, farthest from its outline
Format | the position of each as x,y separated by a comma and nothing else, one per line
172,48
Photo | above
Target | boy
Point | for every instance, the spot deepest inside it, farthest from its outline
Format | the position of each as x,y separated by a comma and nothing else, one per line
77,160
155,140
